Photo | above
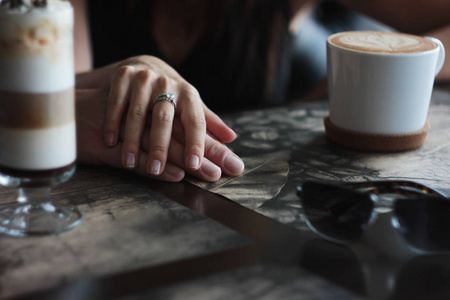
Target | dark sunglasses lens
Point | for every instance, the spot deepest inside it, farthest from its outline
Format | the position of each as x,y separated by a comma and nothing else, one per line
337,213
424,222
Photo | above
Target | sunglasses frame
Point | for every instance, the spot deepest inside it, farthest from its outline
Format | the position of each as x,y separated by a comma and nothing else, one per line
408,190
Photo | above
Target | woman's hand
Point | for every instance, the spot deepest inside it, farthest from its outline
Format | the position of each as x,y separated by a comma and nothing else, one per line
91,115
134,84
91,148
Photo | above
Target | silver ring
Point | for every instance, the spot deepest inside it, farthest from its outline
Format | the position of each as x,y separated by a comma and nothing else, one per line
167,96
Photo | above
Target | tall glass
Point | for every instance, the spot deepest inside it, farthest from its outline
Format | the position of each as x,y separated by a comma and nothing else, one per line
37,114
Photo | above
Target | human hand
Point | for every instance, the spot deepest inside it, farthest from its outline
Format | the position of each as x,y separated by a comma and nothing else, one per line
135,82
91,115
91,148
218,157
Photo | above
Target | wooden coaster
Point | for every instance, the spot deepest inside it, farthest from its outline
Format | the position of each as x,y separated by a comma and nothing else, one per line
375,142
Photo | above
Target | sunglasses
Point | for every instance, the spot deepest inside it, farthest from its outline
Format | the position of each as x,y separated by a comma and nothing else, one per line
340,213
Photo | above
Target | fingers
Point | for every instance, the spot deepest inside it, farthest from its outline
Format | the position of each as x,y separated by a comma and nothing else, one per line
163,113
223,157
133,87
215,151
117,102
137,113
112,156
218,157
193,119
208,171
132,91
218,128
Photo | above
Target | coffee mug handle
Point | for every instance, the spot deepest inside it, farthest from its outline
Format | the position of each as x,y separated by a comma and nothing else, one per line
441,57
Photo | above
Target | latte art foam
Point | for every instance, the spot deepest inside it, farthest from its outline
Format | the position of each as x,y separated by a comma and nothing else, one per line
381,42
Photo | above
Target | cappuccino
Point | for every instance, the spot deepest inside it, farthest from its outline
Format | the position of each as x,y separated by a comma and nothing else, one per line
379,89
37,118
381,42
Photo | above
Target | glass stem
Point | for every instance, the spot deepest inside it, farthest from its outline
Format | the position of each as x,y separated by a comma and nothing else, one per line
35,195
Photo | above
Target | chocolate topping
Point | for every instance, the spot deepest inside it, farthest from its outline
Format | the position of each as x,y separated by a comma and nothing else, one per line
40,3
17,3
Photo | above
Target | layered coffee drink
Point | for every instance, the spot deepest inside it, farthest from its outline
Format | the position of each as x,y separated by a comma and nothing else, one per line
37,114
381,42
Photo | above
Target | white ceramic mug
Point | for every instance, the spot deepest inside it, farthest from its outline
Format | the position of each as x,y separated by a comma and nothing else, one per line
381,93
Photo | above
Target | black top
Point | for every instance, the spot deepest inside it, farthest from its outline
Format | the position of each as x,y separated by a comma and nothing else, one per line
243,60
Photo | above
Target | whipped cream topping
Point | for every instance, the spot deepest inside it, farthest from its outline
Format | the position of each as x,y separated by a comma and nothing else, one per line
36,45
27,6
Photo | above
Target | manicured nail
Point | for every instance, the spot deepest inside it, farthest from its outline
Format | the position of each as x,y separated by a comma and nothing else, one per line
155,167
176,172
193,162
233,164
130,160
211,170
110,139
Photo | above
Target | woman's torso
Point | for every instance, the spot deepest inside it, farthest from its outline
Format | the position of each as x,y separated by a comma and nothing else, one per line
242,59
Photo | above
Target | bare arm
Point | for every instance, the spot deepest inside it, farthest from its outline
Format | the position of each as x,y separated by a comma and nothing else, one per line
414,16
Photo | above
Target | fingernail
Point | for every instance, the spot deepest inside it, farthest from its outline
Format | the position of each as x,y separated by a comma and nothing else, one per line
233,164
211,170
110,139
193,162
155,167
130,160
175,172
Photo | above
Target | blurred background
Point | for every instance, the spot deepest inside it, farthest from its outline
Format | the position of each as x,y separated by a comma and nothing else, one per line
310,30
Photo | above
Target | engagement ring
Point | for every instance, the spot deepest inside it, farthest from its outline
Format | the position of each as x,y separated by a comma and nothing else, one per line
168,96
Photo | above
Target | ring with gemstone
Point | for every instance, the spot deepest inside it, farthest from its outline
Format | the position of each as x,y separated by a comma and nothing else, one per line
167,96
